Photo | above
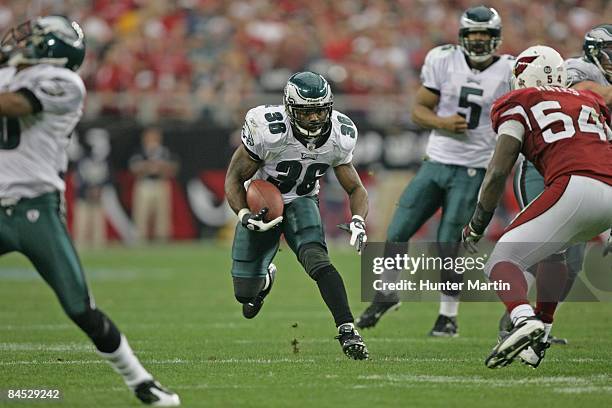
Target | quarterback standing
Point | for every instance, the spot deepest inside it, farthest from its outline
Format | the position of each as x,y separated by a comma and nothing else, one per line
459,85
41,101
292,146
566,134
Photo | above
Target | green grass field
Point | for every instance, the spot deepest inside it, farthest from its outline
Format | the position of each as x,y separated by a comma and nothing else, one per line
176,306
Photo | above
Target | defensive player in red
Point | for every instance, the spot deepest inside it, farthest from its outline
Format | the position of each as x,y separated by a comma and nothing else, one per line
565,133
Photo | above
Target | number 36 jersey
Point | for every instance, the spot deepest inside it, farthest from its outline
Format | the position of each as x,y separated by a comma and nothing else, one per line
469,93
33,147
293,167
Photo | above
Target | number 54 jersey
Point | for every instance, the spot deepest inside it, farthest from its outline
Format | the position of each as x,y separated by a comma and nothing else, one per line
469,93
295,168
564,131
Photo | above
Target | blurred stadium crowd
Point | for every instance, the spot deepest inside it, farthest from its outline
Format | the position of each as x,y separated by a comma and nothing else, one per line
188,58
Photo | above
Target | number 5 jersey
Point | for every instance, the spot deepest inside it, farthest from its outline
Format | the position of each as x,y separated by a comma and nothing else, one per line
295,167
469,93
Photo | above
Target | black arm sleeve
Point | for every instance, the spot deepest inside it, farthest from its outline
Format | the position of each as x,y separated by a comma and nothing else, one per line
29,95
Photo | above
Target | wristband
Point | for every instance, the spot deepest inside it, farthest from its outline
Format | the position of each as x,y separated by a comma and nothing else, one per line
480,219
242,213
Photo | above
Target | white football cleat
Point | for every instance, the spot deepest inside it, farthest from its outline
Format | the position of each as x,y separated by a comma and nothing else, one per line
534,354
526,333
152,393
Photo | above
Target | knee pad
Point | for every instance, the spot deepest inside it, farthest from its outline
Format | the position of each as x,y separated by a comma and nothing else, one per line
314,259
99,328
245,289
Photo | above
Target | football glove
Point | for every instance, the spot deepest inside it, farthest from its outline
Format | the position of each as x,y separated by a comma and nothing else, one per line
470,238
474,230
608,245
255,222
357,230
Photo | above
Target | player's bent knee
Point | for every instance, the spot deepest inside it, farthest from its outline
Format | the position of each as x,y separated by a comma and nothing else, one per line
314,259
99,328
245,289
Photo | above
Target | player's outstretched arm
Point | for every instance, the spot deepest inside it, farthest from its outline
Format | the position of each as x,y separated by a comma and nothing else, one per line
241,168
351,183
504,157
604,91
358,198
423,113
19,103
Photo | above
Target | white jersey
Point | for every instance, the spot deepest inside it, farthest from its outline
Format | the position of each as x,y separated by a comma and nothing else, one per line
469,93
294,168
579,70
33,148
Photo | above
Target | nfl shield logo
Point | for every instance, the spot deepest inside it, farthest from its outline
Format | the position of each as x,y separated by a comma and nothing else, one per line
33,215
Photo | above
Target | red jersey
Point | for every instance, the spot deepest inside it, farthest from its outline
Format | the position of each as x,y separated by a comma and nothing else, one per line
566,131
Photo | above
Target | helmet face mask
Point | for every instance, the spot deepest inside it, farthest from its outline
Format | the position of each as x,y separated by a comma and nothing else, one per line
51,40
312,119
539,66
597,49
308,102
485,21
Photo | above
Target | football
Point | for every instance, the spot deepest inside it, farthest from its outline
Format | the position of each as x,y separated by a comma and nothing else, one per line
260,194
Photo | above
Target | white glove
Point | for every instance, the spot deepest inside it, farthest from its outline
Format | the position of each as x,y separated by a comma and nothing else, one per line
255,222
357,229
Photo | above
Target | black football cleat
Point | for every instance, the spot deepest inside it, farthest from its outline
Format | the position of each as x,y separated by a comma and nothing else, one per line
526,333
250,310
152,393
534,354
351,342
557,340
445,327
375,311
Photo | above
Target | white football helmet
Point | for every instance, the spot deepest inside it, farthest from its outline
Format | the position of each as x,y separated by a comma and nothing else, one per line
539,66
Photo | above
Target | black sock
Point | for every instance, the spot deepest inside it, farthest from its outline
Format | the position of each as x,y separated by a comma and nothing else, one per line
100,329
333,293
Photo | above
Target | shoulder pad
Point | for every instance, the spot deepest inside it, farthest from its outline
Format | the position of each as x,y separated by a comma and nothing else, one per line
509,59
345,131
441,52
579,70
511,106
44,72
266,126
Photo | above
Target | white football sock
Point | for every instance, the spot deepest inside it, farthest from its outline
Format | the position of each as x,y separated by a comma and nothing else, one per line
521,312
530,279
389,276
449,305
547,329
126,364
347,324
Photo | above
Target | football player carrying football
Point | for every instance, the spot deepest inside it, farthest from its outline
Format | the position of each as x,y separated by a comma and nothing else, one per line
293,146
592,71
566,134
41,101
459,85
